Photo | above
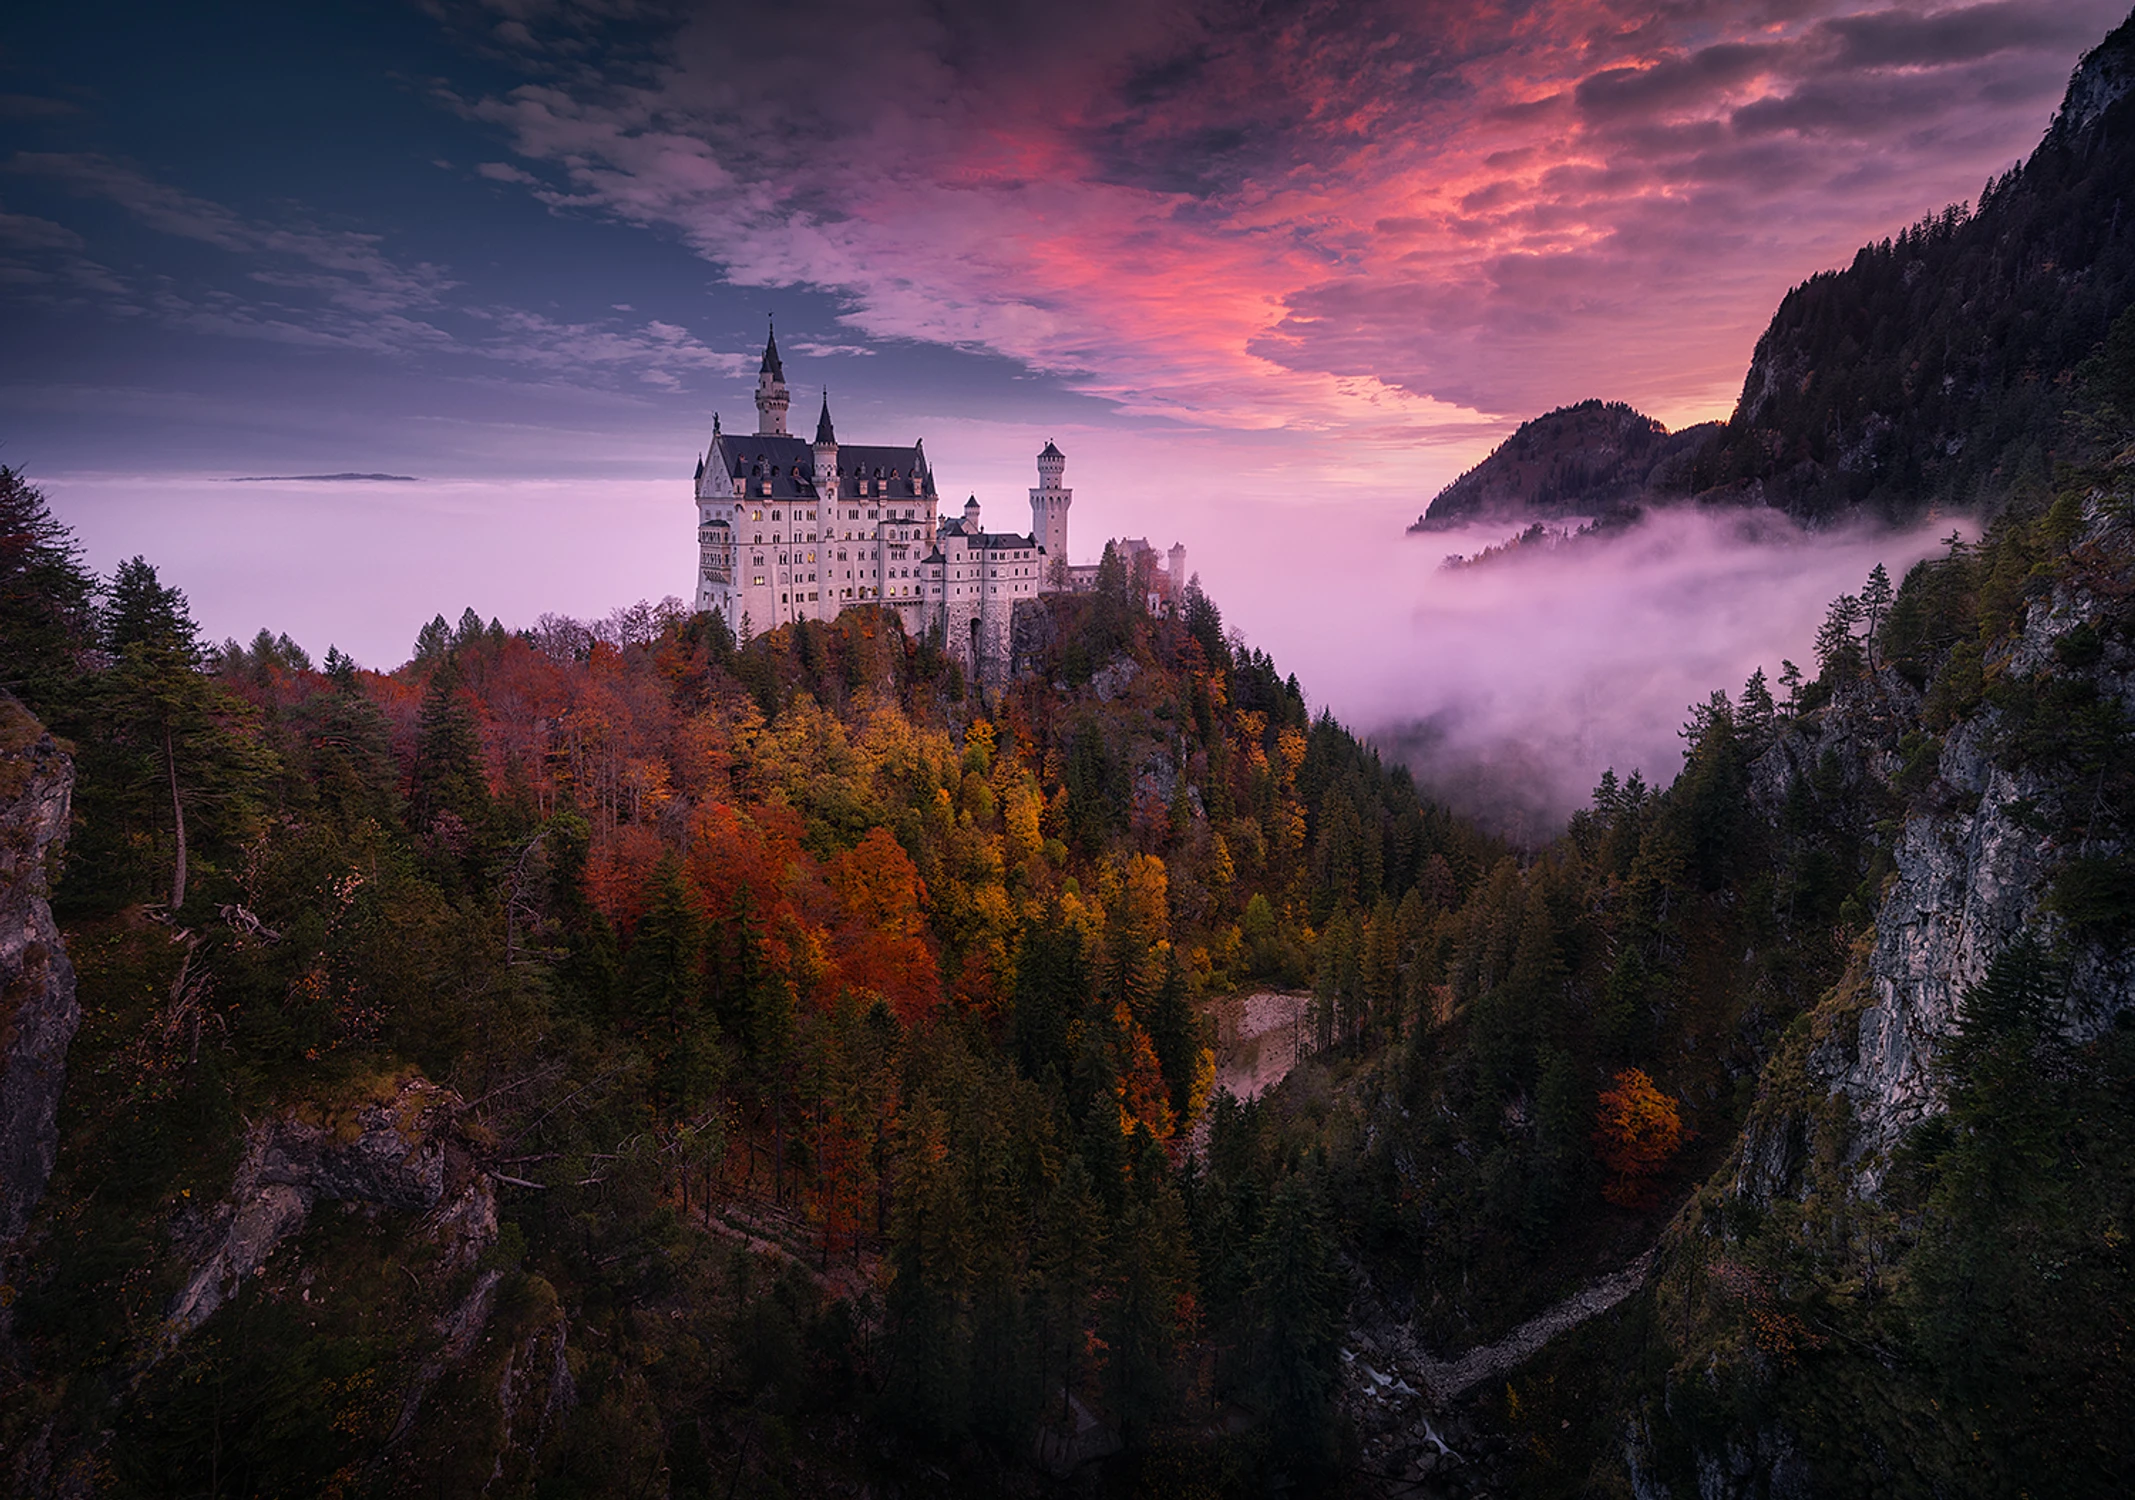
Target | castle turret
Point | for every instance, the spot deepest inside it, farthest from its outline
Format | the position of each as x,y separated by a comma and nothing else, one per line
826,454
1176,566
971,516
771,397
1049,504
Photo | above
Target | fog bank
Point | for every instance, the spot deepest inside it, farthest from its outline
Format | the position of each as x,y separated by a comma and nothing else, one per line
1509,688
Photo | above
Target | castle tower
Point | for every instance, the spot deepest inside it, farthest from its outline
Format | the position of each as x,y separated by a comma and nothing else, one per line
1177,568
771,398
826,454
1049,512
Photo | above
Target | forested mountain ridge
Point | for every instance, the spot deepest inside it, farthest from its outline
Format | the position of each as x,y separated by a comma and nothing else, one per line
1933,371
1595,459
1873,947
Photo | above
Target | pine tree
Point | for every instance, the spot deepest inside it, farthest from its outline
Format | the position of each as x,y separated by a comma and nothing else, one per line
47,625
1790,679
1297,1292
433,640
168,738
1876,596
1755,713
664,978
449,801
1838,648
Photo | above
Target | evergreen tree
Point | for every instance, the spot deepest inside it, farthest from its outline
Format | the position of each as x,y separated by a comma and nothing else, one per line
1838,648
1876,597
449,801
47,625
433,640
1755,713
169,740
1297,1289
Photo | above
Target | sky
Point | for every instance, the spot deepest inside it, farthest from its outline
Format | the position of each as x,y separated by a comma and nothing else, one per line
1270,273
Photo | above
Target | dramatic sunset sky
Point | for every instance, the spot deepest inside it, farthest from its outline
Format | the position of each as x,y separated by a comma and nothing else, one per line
1270,273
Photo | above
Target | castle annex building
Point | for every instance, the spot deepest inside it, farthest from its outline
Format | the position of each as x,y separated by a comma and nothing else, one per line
793,530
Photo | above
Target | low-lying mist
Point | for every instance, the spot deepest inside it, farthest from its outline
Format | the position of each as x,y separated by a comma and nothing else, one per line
1510,687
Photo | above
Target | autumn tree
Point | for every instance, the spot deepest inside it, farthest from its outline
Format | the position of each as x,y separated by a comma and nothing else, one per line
1636,1130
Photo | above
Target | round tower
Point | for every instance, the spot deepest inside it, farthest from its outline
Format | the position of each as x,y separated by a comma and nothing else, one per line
771,397
1049,504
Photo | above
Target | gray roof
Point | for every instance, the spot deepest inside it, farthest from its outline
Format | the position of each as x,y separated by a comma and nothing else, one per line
752,455
988,540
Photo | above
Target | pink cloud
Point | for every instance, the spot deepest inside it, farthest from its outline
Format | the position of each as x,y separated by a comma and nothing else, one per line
1383,216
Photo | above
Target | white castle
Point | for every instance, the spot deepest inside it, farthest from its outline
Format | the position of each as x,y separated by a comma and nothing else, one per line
788,530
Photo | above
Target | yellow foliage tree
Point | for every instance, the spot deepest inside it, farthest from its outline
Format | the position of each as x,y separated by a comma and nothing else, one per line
1637,1128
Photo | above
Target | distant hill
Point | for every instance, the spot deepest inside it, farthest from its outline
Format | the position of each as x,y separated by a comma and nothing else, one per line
1932,371
1594,459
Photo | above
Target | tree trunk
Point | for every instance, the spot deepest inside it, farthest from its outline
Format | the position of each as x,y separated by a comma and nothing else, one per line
170,764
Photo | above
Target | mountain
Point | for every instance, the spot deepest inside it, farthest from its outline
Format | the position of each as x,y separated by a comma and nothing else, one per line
1596,459
1930,373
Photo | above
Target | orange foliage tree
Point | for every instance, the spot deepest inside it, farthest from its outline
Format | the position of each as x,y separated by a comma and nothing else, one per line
1636,1130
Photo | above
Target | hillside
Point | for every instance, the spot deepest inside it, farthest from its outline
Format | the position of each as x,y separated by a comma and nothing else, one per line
1596,460
1931,373
613,1051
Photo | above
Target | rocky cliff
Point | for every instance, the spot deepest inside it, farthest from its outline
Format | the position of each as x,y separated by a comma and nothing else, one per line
38,1013
1975,860
1904,1233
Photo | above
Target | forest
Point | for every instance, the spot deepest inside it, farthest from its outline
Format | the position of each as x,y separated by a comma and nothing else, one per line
815,1046
631,1058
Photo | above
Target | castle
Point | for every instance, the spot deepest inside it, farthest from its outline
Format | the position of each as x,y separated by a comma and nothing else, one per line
788,530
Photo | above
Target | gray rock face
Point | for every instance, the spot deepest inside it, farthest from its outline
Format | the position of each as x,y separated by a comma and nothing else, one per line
1972,871
1112,679
401,1152
38,1011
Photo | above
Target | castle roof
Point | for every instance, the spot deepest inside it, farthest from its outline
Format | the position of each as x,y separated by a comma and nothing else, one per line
985,540
757,456
771,365
1049,451
823,432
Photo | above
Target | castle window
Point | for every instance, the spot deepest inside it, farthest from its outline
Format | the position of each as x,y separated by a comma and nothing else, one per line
756,515
759,579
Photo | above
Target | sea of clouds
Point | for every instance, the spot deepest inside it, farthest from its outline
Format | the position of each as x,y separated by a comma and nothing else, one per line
1510,687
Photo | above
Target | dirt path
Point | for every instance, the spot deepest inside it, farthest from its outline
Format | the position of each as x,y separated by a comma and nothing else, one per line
1449,1378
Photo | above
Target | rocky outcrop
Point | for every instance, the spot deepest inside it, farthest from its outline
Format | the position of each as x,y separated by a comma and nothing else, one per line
401,1150
1974,865
38,1011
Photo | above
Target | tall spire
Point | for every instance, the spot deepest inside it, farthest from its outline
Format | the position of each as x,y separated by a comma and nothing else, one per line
823,432
771,392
